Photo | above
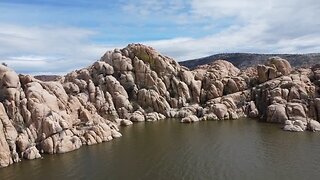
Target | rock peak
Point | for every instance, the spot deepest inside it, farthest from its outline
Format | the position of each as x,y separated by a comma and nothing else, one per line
137,83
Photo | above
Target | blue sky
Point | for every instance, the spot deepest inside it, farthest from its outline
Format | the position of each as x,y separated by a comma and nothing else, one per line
54,37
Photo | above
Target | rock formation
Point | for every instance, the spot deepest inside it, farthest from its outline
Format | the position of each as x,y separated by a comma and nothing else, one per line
137,84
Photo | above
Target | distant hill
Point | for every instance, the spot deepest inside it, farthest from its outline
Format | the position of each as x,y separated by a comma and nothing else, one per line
243,60
47,77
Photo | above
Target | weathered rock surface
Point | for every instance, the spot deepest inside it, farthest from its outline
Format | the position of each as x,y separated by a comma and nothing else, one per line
31,153
274,67
137,84
190,119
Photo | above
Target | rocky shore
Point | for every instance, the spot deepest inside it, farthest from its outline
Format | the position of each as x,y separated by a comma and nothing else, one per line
137,84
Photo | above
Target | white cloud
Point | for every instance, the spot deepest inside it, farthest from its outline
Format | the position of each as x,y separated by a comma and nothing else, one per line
271,26
39,49
231,40
153,7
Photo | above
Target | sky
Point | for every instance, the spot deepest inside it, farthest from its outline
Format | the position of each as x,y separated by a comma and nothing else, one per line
58,36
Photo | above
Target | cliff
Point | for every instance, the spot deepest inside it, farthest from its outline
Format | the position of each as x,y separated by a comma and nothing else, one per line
136,84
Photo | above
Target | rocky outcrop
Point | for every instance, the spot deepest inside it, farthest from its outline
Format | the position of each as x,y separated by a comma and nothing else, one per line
137,84
50,117
288,97
274,67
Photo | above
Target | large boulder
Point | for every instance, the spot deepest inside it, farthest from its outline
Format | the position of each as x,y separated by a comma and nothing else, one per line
275,67
190,119
125,122
154,116
31,153
137,116
295,126
221,111
224,68
252,110
296,111
314,125
276,113
151,100
218,68
281,65
101,67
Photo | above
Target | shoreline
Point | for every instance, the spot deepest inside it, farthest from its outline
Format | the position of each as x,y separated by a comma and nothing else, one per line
137,84
145,147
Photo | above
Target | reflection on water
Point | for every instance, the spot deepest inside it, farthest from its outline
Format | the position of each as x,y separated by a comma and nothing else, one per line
241,149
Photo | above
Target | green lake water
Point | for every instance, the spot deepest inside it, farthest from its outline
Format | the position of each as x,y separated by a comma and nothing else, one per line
167,149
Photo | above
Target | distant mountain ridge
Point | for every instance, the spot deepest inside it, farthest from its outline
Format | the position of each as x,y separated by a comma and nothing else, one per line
244,60
47,77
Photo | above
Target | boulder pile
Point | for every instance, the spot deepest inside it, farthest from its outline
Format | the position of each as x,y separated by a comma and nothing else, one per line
137,84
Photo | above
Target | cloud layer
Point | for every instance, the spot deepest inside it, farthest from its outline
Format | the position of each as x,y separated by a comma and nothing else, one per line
258,26
69,37
49,50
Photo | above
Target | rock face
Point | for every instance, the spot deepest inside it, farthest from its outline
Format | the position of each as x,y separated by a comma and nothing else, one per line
137,84
56,116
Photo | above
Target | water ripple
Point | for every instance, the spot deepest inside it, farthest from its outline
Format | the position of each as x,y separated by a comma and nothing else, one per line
243,149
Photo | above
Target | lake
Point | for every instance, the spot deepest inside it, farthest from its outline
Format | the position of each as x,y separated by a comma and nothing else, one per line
167,149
